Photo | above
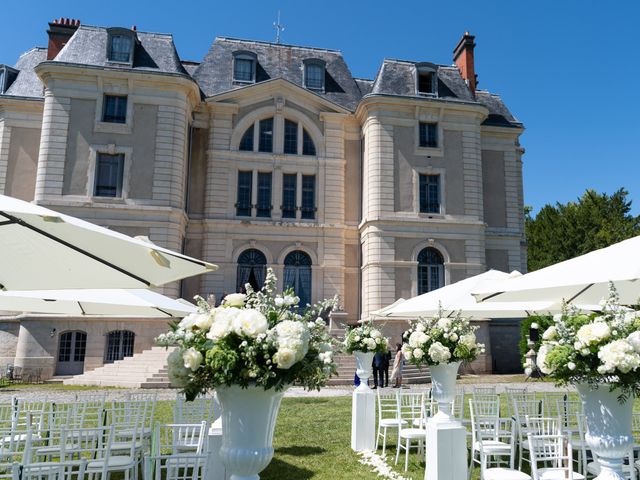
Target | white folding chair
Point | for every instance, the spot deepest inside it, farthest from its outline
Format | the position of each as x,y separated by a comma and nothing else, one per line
387,400
175,467
523,407
203,407
177,438
411,408
74,470
551,457
492,438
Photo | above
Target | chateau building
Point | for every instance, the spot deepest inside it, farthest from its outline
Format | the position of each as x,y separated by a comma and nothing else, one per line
262,155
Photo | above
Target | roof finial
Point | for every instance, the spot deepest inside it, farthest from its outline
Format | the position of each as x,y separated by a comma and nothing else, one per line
279,28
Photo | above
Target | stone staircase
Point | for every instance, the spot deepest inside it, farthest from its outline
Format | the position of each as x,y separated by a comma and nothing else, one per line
147,369
347,368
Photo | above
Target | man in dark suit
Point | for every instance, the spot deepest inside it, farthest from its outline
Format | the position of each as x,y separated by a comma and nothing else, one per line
378,369
385,367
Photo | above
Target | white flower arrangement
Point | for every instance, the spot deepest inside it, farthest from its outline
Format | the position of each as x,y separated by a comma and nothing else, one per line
441,340
259,338
600,348
365,338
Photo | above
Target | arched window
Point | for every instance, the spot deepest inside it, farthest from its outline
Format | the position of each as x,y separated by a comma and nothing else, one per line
252,269
246,143
119,345
308,147
297,274
430,270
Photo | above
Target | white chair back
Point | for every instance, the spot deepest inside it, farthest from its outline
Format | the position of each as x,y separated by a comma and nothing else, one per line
177,438
175,467
54,471
204,407
550,451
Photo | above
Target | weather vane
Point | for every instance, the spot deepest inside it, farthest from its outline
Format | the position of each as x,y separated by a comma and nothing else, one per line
279,28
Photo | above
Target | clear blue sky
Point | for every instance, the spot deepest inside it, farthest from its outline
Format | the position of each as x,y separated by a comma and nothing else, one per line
568,69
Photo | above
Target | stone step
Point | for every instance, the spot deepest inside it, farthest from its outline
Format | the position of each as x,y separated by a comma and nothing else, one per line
147,369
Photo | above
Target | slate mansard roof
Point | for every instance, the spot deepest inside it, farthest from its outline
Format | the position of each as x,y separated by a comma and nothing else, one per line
154,52
27,83
215,73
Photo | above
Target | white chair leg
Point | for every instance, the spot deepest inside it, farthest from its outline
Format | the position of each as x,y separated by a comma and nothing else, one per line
398,447
384,440
406,455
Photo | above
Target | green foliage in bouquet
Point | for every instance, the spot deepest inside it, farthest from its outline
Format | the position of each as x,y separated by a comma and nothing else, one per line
259,338
599,348
543,322
441,339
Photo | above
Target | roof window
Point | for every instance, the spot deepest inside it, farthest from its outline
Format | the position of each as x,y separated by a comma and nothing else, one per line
244,67
314,72
120,45
426,79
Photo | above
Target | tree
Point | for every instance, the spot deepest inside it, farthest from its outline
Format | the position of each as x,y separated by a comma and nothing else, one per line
565,231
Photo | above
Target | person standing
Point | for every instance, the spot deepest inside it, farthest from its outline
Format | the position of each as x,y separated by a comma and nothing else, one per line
378,365
385,367
398,363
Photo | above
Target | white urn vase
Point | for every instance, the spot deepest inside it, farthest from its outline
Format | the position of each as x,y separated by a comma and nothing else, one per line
443,390
363,369
248,420
608,428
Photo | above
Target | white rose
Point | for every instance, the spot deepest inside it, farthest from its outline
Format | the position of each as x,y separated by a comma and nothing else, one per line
634,341
235,300
250,322
222,322
550,333
375,334
593,333
439,353
370,343
406,351
420,327
294,336
571,366
289,300
444,324
204,321
284,358
541,360
453,337
188,322
417,339
418,353
279,301
534,325
192,359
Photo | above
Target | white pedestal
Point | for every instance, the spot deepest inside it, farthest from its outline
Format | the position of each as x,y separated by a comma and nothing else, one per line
215,468
363,420
446,451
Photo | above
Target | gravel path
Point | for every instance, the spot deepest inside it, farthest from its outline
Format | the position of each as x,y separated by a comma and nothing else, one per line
66,396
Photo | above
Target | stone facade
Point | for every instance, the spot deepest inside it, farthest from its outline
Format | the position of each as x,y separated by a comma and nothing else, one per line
181,137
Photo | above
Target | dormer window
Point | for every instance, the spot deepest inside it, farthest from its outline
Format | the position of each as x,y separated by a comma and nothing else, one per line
7,76
244,67
314,74
427,79
120,45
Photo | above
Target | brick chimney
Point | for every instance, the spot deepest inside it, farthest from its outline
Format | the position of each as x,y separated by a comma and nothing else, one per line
463,58
60,31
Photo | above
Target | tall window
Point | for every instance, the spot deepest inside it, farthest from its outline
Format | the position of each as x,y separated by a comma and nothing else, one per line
430,270
428,134
314,75
245,183
264,194
308,147
427,79
297,274
109,172
119,345
120,48
244,68
429,193
265,143
308,207
289,193
252,269
290,137
114,109
246,143
425,83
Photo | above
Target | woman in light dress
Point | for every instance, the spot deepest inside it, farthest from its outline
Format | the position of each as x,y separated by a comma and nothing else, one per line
398,363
